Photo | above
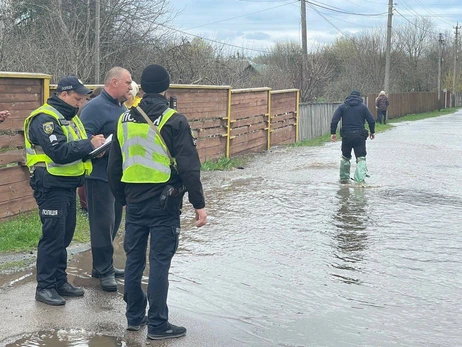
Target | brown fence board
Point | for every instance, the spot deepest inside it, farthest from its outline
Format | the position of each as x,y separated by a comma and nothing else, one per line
13,174
289,122
15,191
204,133
14,156
16,206
249,147
12,125
15,140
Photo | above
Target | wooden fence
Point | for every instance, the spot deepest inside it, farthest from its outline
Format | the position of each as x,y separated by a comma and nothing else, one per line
227,123
408,103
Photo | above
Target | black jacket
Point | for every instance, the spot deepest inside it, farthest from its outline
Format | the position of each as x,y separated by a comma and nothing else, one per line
176,133
353,114
100,116
55,145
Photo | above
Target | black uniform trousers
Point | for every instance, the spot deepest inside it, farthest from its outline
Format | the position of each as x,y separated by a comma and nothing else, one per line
146,219
355,140
104,216
57,212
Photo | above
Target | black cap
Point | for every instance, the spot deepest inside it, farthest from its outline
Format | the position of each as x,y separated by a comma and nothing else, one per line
68,83
355,92
155,79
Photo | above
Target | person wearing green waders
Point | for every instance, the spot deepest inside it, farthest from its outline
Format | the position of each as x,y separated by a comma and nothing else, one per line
354,115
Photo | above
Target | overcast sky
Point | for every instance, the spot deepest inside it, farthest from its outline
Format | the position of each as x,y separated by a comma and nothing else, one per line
257,24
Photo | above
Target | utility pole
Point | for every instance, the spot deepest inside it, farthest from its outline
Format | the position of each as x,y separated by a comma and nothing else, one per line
387,53
304,44
97,35
440,46
456,50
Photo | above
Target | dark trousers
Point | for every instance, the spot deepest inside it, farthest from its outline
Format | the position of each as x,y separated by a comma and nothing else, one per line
104,216
82,197
382,116
58,216
143,220
355,140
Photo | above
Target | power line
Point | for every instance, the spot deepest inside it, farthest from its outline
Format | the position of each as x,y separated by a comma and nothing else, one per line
244,15
215,41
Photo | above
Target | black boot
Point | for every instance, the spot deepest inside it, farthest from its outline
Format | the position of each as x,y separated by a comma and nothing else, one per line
119,273
170,332
108,283
68,289
49,296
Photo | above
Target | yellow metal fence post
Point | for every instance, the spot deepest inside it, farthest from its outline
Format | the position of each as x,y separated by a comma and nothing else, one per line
228,131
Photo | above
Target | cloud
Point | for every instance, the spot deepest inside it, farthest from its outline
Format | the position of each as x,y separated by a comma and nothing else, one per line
259,36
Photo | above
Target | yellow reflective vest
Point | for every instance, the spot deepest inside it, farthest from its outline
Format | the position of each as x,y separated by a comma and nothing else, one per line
72,129
144,156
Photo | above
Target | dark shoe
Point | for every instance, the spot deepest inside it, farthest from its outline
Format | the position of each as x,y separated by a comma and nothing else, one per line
138,327
49,297
108,283
68,289
171,332
119,273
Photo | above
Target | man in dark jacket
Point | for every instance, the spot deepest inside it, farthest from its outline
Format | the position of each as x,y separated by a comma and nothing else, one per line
56,143
353,114
100,116
148,173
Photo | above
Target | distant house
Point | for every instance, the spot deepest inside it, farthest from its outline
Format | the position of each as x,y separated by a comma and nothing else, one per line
249,69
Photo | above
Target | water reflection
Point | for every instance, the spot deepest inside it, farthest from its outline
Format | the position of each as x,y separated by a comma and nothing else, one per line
67,338
350,221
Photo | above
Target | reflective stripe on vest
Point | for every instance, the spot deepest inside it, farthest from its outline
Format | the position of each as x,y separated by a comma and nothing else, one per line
144,157
73,130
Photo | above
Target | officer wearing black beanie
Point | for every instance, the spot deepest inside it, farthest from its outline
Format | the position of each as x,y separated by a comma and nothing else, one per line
141,183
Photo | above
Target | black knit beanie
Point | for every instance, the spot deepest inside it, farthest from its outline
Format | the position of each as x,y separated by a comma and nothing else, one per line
355,92
155,79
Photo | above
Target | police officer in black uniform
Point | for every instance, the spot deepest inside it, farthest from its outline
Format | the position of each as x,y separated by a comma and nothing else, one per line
149,179
56,143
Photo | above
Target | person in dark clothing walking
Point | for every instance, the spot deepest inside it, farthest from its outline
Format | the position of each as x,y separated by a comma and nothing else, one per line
152,161
353,114
100,115
56,143
381,103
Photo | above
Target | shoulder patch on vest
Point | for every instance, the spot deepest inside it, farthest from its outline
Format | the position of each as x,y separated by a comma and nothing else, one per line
48,127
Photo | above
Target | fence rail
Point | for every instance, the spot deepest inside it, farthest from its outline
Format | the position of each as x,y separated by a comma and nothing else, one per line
227,123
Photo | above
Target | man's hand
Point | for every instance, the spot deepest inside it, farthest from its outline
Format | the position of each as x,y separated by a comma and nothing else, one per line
4,115
97,140
333,138
372,136
201,217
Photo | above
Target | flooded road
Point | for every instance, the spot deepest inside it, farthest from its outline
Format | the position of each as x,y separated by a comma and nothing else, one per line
292,258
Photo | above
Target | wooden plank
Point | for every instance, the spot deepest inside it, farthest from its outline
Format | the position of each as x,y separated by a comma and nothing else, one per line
249,129
210,132
13,174
244,147
14,156
208,123
14,207
12,124
16,106
16,190
20,89
260,119
249,137
282,117
282,124
21,82
18,97
15,140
